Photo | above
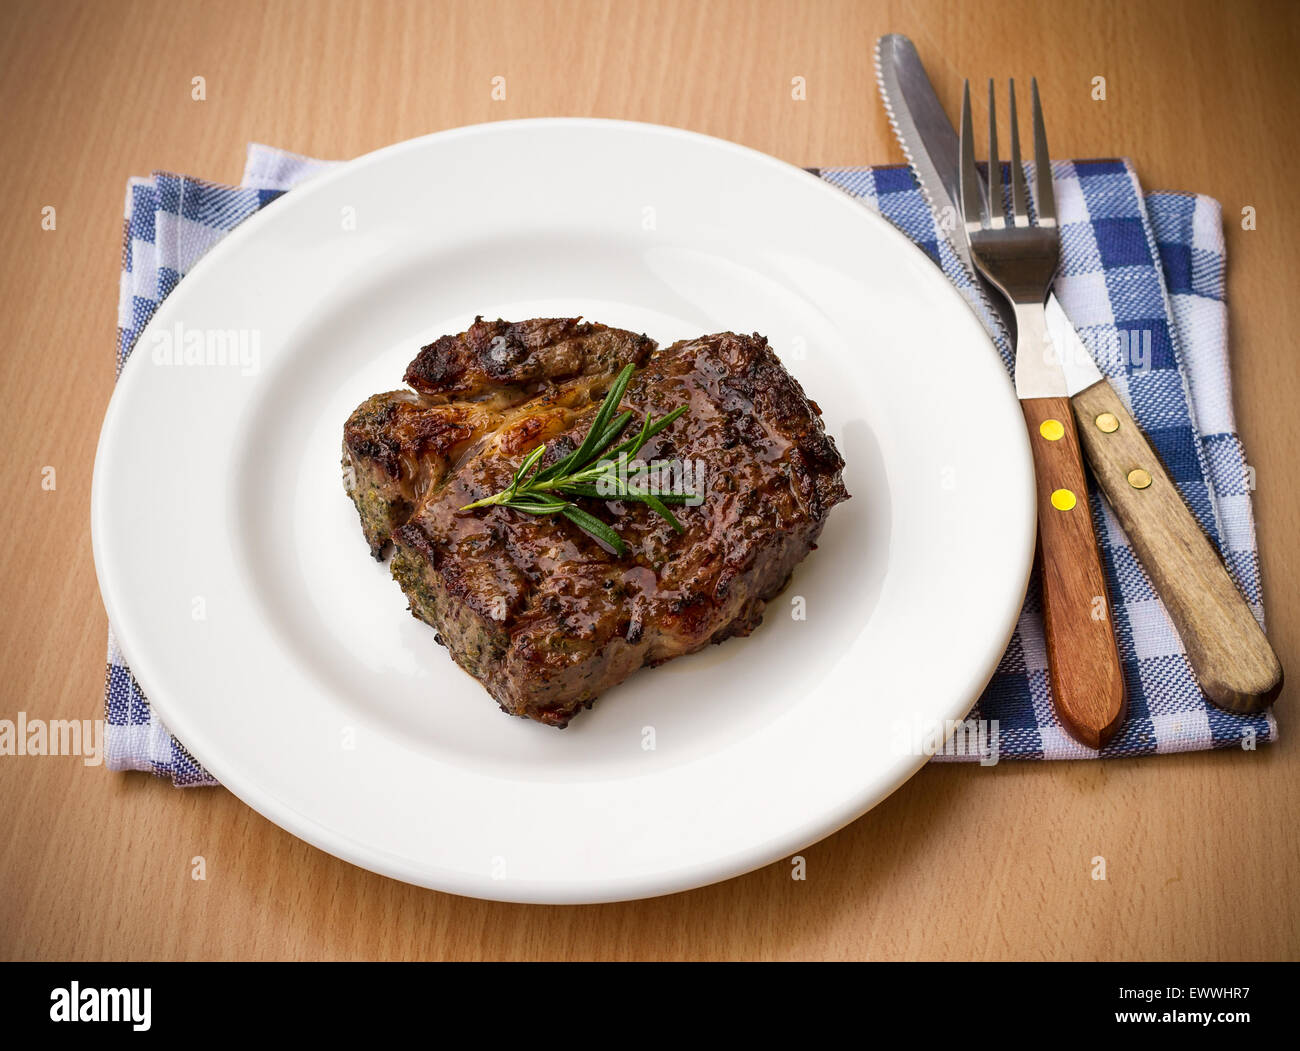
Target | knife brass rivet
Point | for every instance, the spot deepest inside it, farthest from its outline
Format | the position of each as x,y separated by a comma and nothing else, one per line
1108,422
1138,478
1063,499
1052,430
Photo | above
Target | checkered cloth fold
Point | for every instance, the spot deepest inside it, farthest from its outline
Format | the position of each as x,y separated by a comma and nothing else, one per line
1142,279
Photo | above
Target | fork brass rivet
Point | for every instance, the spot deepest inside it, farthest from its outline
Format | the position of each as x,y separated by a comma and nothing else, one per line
1052,430
1063,499
1108,422
1138,478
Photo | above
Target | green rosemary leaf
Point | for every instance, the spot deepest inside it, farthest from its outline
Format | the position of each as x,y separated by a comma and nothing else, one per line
588,490
524,467
555,470
618,491
589,448
612,431
656,502
589,469
634,445
643,436
657,505
536,503
570,463
593,526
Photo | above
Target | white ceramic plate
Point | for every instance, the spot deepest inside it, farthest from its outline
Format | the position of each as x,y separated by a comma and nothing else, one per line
309,690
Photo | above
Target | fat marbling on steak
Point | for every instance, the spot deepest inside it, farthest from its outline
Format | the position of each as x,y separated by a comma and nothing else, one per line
543,615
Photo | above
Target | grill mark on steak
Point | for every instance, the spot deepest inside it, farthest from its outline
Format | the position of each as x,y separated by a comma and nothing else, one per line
542,614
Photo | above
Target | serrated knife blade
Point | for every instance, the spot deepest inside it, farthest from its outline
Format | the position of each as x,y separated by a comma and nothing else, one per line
922,128
930,145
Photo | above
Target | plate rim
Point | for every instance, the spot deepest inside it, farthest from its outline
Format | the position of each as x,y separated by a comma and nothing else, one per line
342,845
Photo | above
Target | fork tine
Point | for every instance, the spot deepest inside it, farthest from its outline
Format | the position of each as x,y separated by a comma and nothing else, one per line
1019,190
1042,166
997,210
973,210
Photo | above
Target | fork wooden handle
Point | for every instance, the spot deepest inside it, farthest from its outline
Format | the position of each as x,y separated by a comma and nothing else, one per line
1083,660
1228,651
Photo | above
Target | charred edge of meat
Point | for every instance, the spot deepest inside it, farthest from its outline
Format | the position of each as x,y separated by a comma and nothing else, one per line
475,640
376,495
491,354
394,448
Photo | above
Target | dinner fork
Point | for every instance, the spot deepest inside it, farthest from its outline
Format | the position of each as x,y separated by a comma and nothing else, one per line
1019,252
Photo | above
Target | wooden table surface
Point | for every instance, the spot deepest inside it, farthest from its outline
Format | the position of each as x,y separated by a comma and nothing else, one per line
1203,860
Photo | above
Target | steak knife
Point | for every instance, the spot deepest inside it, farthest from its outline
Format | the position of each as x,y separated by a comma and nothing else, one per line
1227,649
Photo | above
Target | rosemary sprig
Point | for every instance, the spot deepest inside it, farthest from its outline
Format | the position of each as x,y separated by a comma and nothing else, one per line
592,471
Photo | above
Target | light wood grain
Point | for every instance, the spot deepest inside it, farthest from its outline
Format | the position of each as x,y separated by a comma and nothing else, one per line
1201,858
1232,658
1083,660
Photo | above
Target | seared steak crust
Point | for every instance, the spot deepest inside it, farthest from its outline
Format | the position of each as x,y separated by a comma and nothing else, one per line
539,612
399,445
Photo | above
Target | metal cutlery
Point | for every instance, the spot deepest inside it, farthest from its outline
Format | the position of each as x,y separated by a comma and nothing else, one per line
930,145
1226,648
1019,254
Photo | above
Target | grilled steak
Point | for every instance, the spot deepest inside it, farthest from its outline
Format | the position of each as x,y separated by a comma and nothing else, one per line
539,612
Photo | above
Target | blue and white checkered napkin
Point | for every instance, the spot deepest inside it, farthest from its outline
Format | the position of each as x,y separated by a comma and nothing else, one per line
1142,280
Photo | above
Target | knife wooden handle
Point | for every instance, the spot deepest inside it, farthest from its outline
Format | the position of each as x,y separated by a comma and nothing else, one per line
1083,660
1228,651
